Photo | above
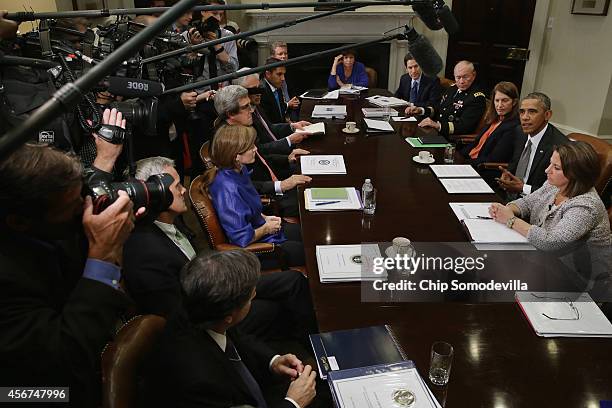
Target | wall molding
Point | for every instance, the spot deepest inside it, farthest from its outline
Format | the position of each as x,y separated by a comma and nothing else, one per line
566,130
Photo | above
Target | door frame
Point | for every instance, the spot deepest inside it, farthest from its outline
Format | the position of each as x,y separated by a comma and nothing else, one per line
536,41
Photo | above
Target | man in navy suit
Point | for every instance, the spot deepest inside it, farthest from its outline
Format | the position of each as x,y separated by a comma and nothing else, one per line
416,87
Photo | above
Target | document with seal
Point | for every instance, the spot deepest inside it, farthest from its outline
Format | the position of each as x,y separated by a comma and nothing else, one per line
322,164
386,385
348,263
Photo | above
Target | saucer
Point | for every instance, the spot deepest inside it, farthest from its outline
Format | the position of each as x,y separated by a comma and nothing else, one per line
418,160
345,130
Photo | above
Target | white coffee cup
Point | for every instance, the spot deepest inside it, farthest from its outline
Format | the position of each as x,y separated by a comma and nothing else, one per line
424,155
351,126
401,245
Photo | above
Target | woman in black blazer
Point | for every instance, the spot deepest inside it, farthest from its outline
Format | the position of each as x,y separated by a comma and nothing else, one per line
495,143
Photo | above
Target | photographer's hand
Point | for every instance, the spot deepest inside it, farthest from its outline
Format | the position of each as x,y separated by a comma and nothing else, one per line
8,28
189,100
107,153
106,232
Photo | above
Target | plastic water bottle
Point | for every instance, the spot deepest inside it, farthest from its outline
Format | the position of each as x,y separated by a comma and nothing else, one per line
368,195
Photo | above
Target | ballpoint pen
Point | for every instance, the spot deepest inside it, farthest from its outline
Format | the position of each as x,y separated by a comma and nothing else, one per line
327,202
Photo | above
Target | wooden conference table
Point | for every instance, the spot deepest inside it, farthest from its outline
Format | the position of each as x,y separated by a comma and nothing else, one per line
499,361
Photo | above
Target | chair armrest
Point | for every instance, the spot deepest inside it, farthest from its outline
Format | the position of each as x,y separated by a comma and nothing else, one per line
463,139
492,165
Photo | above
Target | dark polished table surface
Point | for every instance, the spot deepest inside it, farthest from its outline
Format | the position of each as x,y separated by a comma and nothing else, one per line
499,361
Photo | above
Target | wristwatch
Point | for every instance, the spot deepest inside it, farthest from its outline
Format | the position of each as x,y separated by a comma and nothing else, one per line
510,222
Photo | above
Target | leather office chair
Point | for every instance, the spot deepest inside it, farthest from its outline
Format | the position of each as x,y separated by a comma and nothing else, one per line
469,138
446,83
207,217
372,77
205,155
604,152
122,360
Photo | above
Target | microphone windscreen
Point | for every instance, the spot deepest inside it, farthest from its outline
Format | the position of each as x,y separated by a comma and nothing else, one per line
428,15
134,88
425,54
448,20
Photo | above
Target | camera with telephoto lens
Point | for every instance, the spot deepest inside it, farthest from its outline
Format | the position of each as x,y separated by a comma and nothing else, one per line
210,25
139,113
153,194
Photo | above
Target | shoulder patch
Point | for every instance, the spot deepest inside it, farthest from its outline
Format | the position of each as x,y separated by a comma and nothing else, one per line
477,94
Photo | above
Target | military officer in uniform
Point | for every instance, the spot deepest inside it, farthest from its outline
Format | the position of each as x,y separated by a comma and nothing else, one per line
461,107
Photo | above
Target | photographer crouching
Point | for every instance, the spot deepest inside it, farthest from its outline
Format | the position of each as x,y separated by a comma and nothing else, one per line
60,299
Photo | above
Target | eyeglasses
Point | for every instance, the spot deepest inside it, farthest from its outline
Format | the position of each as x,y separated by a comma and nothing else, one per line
575,310
248,106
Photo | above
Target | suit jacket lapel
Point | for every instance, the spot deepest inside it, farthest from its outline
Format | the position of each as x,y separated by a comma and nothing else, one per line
169,243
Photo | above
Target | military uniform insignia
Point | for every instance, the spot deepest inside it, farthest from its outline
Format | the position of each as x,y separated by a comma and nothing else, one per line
477,94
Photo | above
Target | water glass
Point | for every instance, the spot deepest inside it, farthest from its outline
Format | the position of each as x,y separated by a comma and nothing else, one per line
441,362
386,114
449,153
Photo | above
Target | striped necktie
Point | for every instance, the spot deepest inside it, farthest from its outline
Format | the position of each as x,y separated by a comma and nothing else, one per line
272,175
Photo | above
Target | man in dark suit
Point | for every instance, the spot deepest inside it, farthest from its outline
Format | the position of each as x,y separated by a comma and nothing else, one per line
417,88
203,361
59,301
157,250
273,102
533,149
461,107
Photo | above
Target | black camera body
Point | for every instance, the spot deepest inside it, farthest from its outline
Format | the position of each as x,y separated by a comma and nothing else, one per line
210,25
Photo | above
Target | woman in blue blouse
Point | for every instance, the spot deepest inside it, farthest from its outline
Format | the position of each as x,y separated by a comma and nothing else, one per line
346,71
236,201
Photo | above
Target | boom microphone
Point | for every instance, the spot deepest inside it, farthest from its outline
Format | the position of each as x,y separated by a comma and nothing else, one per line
428,15
423,52
133,88
451,26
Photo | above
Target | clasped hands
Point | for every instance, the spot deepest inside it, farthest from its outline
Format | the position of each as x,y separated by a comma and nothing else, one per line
500,213
302,388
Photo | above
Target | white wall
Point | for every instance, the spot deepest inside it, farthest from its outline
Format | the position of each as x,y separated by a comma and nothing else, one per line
575,68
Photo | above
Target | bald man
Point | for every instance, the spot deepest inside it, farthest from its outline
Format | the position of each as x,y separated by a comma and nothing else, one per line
461,107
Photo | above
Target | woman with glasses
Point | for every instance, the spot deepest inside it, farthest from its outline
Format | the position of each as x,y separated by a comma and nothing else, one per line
237,203
566,214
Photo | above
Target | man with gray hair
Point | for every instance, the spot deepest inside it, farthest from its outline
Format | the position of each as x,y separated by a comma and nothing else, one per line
533,148
158,249
461,107
202,360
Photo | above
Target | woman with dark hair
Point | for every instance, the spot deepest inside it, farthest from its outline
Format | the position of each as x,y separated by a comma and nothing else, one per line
237,203
566,214
495,143
346,71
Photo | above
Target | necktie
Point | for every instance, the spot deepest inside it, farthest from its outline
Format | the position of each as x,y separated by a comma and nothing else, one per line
272,175
521,168
277,96
265,125
414,91
184,244
245,374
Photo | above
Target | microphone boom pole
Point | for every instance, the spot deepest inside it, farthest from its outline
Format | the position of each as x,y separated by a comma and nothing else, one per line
69,94
193,48
31,16
291,61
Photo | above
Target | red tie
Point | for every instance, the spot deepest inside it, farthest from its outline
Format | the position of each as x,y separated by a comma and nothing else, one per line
265,125
272,175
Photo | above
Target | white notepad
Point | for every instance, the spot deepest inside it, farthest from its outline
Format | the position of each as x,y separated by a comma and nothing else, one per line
453,170
315,128
348,263
471,210
323,164
352,202
569,314
492,232
381,125
465,186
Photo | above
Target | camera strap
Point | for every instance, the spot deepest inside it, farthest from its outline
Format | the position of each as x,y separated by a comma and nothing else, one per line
112,134
45,38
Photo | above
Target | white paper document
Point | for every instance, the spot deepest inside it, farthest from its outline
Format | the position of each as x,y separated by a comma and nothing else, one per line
329,111
332,95
404,119
381,125
384,101
380,390
471,210
352,202
453,170
378,112
492,232
323,164
348,263
564,314
315,128
465,185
